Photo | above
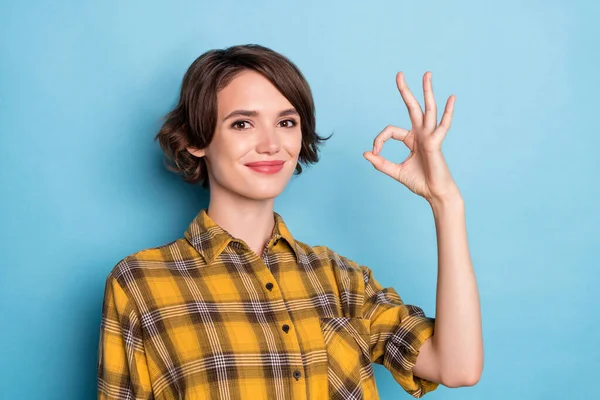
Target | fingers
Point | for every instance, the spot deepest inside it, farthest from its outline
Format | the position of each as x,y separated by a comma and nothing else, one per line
414,109
383,165
444,125
430,107
388,132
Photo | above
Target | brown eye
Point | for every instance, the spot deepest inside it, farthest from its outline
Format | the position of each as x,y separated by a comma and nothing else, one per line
239,125
288,121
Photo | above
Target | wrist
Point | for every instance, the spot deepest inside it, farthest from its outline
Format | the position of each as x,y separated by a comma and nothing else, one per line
451,202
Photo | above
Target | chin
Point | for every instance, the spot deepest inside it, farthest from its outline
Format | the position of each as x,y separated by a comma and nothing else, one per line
263,192
256,187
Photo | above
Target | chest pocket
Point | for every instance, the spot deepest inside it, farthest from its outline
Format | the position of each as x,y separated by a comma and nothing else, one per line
347,341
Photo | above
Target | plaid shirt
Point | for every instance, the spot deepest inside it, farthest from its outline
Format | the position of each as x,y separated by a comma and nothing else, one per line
204,317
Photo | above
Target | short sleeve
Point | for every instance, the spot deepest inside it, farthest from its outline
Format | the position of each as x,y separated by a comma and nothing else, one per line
122,368
397,332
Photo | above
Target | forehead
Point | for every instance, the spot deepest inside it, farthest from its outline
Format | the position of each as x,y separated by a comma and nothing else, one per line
251,91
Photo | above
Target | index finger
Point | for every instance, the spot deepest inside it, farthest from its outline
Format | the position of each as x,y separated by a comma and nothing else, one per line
388,132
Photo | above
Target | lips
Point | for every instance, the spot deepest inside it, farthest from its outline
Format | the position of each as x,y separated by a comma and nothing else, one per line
265,163
266,167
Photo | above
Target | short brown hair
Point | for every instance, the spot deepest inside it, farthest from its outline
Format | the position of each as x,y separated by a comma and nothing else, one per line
193,121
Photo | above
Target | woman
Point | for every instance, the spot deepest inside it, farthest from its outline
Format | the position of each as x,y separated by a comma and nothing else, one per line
238,308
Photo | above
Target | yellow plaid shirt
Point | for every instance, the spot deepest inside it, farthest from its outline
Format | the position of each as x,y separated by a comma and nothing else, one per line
204,317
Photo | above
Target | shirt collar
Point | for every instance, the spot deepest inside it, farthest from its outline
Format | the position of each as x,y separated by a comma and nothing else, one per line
209,239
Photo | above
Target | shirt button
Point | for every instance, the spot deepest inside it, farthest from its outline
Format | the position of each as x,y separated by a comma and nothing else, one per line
269,286
286,328
297,374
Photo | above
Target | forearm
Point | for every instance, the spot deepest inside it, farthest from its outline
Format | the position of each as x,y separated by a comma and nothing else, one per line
457,341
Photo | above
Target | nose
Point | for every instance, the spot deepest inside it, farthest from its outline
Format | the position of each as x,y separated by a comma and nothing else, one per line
268,141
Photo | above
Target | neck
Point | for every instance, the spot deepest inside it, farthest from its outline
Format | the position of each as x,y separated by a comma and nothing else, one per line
246,219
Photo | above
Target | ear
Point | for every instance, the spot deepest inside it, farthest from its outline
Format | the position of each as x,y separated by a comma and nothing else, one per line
196,152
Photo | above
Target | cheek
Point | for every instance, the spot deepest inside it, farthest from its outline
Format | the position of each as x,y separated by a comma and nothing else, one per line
225,150
294,145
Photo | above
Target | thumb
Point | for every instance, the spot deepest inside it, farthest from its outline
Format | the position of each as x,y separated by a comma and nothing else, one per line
381,164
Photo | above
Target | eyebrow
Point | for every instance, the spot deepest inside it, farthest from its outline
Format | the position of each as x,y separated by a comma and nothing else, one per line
252,113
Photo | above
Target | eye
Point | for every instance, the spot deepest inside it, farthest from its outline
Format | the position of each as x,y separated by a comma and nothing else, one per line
288,121
239,124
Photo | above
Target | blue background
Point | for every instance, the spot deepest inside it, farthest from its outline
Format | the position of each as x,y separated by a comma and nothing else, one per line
83,86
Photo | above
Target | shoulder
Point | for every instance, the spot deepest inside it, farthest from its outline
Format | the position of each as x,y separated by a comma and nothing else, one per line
335,259
148,261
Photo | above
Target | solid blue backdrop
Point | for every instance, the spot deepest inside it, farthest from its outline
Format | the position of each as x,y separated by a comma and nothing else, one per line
83,86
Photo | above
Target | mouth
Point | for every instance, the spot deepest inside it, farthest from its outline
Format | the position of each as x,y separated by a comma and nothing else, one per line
266,167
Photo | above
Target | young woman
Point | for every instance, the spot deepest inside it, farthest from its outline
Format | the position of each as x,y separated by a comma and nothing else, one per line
240,309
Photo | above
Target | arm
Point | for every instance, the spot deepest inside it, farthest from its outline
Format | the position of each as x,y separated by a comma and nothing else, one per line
454,354
122,369
398,331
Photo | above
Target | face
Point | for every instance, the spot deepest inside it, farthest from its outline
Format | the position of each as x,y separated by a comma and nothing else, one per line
256,125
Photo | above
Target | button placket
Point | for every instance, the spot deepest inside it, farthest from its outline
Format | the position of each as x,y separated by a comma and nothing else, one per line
269,286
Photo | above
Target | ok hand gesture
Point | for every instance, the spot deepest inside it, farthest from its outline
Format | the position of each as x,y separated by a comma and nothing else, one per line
424,171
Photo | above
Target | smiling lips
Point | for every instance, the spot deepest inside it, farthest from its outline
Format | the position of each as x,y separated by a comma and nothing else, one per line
266,167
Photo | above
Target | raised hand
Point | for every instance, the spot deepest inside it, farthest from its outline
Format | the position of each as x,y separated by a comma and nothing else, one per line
424,171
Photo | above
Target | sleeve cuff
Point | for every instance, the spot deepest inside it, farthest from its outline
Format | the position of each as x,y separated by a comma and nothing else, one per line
402,350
